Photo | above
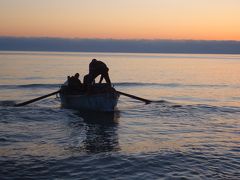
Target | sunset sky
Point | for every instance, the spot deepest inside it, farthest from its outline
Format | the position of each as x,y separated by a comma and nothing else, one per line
122,19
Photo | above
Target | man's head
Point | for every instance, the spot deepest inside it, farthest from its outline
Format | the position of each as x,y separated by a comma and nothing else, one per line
94,60
76,75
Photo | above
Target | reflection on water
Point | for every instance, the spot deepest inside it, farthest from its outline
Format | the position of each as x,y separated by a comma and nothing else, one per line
101,131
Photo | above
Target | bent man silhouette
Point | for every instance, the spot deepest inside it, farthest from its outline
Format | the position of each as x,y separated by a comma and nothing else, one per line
97,68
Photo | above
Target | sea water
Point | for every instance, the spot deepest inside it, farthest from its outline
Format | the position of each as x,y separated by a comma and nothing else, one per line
191,131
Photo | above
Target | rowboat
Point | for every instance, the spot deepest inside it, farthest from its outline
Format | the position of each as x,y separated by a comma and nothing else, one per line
101,98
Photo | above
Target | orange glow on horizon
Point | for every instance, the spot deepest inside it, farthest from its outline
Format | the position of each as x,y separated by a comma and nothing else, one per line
142,19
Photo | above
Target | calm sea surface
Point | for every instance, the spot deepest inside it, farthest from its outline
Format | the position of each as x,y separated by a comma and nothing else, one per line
193,134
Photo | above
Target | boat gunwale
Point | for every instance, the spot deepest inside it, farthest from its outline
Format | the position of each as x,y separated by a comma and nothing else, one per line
89,95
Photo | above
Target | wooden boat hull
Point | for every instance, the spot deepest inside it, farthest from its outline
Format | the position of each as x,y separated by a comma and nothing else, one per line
96,102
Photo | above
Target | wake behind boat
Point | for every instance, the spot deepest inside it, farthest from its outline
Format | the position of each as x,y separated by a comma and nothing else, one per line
100,98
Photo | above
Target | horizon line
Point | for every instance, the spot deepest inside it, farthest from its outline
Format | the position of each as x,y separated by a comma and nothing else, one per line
100,52
117,39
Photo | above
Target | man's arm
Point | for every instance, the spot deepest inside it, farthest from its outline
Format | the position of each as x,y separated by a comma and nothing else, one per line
101,78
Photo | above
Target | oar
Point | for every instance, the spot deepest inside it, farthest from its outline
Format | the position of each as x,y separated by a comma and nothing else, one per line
36,99
135,97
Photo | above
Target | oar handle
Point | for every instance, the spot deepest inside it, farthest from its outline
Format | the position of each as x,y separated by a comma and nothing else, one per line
36,99
147,101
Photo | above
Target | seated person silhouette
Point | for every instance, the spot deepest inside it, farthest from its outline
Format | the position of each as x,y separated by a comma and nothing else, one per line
74,82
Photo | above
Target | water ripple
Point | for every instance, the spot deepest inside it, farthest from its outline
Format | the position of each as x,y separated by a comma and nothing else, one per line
164,165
